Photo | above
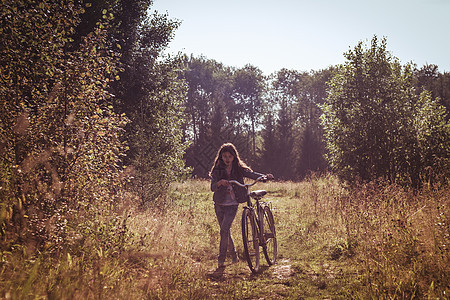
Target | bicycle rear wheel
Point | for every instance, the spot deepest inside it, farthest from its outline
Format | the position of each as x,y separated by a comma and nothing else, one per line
270,237
250,239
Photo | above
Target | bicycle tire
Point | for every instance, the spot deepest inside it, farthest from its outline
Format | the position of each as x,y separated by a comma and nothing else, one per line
250,239
270,237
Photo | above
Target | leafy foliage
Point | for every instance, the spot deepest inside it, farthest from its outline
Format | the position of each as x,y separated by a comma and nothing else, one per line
293,100
208,103
248,91
222,105
148,91
61,137
245,107
375,123
152,94
428,78
83,83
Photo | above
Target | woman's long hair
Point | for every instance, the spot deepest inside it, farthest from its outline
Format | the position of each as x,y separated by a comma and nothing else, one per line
238,164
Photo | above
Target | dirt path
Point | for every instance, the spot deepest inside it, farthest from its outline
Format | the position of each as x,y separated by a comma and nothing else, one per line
286,279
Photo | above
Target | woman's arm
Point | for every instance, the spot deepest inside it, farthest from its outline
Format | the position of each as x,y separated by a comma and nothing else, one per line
252,175
255,175
216,182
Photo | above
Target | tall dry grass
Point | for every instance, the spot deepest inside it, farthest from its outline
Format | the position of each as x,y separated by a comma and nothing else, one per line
402,237
371,241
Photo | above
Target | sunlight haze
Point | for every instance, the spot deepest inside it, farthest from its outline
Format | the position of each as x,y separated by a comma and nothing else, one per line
308,35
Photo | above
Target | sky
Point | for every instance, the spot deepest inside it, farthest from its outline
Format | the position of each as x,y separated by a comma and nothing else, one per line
307,35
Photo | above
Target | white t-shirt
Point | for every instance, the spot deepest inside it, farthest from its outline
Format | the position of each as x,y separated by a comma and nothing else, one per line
230,198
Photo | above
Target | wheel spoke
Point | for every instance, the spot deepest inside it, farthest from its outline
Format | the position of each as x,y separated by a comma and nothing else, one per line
250,239
270,249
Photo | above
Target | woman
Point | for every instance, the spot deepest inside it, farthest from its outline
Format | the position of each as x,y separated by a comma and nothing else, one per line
228,166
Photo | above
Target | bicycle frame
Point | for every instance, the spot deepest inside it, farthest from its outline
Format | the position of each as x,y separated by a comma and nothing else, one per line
257,197
260,212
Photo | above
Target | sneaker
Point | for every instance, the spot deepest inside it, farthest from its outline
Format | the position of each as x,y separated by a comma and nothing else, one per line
221,264
235,260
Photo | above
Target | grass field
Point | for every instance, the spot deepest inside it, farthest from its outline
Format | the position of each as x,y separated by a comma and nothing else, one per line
374,241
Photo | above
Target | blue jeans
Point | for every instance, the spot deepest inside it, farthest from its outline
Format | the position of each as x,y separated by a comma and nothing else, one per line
225,216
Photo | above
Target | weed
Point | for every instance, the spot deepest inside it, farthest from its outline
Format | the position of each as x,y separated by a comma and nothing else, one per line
371,241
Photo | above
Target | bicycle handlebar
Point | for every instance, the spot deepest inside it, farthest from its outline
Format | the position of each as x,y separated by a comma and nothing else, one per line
261,178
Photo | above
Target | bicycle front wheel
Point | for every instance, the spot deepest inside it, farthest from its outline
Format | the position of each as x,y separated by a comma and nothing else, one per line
270,237
250,238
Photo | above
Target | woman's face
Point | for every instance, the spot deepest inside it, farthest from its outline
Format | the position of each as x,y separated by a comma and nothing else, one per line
227,158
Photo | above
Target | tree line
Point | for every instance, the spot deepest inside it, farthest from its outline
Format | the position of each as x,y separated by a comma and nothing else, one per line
92,109
367,119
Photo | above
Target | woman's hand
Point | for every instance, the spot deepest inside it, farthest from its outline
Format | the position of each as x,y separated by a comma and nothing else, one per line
223,182
269,176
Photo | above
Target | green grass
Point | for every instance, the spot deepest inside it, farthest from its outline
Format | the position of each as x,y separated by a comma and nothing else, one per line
374,241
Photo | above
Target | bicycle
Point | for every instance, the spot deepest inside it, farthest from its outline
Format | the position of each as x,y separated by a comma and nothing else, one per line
258,228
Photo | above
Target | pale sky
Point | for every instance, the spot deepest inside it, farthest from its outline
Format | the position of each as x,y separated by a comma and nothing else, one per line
308,35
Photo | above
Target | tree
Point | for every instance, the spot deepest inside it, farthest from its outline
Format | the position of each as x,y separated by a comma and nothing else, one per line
285,139
143,93
269,152
152,94
312,149
61,138
299,94
429,79
204,79
249,87
209,110
369,119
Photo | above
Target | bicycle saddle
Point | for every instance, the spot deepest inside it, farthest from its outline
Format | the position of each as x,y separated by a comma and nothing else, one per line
258,193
